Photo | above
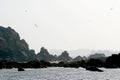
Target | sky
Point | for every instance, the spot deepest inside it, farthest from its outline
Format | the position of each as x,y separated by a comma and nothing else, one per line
64,24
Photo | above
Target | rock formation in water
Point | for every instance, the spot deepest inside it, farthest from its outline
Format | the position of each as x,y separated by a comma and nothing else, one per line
44,55
12,48
78,58
64,56
92,68
113,61
98,56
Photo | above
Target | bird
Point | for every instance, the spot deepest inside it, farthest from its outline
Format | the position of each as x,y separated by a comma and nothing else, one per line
36,25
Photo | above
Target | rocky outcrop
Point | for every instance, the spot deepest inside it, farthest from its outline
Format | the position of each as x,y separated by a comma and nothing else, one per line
44,55
78,58
113,61
12,48
64,57
98,56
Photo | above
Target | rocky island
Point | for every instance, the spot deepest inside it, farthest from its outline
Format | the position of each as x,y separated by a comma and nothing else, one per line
15,53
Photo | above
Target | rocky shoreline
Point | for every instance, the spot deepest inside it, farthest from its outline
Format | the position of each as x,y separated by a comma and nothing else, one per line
15,53
43,64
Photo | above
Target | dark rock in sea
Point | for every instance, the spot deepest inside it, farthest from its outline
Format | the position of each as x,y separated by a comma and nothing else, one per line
92,68
66,65
113,61
20,69
61,64
64,57
95,62
99,56
12,48
78,58
34,64
0,67
44,55
73,65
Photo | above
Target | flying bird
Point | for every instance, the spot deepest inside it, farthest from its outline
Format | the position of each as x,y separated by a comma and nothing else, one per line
36,25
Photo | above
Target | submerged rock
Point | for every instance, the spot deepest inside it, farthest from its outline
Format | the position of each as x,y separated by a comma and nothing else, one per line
92,68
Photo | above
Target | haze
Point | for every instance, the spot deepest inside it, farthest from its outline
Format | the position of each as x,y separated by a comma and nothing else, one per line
64,24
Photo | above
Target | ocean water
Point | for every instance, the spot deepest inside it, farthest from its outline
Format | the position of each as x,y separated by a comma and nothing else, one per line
59,73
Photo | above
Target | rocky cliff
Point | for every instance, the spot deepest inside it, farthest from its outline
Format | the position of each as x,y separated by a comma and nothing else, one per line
12,48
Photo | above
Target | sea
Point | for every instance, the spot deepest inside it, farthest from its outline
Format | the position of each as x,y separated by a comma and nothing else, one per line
59,73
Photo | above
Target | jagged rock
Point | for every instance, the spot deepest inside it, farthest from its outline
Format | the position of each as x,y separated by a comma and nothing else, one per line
78,58
64,57
12,48
44,55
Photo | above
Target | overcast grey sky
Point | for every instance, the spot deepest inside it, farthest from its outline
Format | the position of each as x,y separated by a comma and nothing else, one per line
64,24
